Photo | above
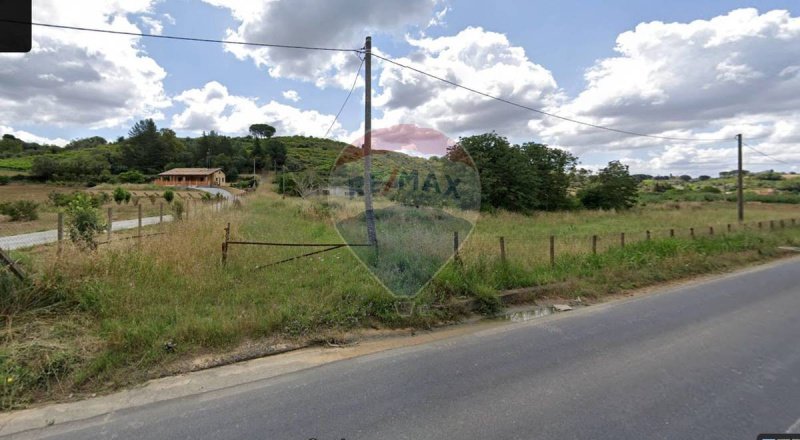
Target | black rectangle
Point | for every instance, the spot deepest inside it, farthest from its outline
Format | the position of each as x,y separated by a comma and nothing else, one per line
778,436
15,25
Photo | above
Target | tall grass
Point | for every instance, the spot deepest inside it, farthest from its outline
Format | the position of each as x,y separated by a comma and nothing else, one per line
115,315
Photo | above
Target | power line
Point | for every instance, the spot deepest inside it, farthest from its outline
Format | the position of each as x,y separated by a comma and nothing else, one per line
553,115
767,155
347,98
174,37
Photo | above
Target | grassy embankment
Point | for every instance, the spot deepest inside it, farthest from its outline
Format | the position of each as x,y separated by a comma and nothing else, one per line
96,322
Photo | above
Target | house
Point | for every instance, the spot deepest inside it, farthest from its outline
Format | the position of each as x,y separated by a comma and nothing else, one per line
191,177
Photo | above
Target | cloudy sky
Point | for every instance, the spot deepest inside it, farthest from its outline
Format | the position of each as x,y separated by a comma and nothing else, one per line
682,68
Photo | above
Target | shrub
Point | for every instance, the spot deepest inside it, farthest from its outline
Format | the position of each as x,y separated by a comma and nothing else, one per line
121,195
4,180
169,195
177,209
83,221
132,176
20,210
710,189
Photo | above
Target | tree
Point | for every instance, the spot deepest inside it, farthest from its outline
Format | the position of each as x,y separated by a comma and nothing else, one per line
551,175
685,178
149,149
276,151
264,131
703,178
613,188
523,177
83,221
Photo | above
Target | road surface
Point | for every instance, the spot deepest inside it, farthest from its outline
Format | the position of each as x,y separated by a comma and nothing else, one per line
51,236
713,360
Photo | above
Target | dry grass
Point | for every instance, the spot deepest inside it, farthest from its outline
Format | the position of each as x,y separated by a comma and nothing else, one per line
115,309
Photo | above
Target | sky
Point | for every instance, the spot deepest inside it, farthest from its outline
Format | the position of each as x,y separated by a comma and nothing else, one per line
679,69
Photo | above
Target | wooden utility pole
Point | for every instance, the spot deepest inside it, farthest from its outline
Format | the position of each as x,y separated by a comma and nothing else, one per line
740,182
369,213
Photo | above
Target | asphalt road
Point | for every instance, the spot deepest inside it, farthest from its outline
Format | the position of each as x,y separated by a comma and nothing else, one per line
717,360
36,238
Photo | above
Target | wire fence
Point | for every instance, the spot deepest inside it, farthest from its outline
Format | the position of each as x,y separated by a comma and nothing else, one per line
544,250
117,220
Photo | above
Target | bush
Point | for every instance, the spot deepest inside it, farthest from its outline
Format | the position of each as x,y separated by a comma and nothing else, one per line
4,180
121,195
710,189
20,210
133,176
83,221
169,195
177,209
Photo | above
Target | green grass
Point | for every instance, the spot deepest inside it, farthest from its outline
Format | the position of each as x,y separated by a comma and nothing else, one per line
97,322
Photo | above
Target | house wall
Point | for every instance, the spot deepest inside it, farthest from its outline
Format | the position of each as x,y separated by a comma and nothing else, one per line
183,181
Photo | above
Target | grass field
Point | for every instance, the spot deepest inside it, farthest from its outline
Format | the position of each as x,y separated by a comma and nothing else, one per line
99,321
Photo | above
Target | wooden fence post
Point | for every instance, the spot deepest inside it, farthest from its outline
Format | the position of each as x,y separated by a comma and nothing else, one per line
729,227
139,228
710,230
161,212
783,225
552,250
759,225
456,258
225,243
60,232
647,235
110,223
12,265
622,239
691,232
672,232
503,249
594,244
771,224
793,222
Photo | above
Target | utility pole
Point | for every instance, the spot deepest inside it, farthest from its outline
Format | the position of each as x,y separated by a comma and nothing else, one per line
740,182
369,213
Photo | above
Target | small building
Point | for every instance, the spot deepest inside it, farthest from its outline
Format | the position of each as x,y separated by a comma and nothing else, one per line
191,177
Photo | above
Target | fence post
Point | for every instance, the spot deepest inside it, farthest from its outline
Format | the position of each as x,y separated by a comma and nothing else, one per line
594,245
759,225
110,223
552,250
188,202
783,225
456,258
771,225
225,243
622,239
139,229
161,212
647,235
672,232
503,249
729,227
60,231
793,222
691,232
710,230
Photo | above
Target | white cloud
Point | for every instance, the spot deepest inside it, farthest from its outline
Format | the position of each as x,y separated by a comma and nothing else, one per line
30,137
318,23
154,25
476,58
79,78
212,107
291,95
706,78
